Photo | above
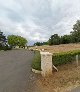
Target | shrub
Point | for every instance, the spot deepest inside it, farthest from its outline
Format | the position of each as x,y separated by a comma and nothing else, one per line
64,57
36,64
1,47
58,58
6,47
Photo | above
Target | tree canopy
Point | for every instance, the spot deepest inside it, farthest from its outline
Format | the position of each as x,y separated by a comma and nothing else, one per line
54,40
2,38
76,33
14,40
40,43
74,36
3,42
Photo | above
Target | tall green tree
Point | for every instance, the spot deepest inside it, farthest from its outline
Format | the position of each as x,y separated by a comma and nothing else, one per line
54,40
76,33
3,42
14,40
3,39
65,39
38,44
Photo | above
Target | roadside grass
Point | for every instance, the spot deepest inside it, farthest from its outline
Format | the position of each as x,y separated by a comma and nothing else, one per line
36,64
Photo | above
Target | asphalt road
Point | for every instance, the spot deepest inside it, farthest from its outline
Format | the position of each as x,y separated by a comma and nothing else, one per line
76,89
15,71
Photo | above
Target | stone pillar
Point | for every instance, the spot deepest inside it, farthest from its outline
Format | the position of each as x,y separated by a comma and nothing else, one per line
46,64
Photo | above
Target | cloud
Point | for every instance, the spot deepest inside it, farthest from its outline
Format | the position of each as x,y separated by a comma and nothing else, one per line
37,20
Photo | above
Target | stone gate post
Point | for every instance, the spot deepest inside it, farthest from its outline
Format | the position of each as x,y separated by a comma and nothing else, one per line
46,64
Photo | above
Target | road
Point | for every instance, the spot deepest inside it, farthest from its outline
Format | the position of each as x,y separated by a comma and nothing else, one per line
76,89
15,71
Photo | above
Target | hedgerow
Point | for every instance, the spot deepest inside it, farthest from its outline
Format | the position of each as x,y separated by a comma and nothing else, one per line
64,57
57,58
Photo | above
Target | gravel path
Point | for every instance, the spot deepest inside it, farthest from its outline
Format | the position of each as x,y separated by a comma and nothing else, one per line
15,71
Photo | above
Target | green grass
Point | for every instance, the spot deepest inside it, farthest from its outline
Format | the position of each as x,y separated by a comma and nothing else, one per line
36,64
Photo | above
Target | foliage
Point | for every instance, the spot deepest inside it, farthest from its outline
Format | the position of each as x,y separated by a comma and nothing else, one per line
2,38
65,39
14,40
58,58
54,40
65,57
76,27
36,64
40,43
76,33
7,47
3,42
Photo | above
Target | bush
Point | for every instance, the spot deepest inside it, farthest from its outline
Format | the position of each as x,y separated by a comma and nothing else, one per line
5,47
1,47
58,58
36,64
66,57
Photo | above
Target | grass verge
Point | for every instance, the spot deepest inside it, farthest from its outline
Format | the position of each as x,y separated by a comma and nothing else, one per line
36,64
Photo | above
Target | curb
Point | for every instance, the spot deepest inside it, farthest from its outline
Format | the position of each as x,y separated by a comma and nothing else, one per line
36,71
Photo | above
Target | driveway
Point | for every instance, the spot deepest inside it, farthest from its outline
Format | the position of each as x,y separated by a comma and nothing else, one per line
15,71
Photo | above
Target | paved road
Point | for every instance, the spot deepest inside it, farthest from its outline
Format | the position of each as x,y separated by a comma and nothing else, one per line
15,71
76,89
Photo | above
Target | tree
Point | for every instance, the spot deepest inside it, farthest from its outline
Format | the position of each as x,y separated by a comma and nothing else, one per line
65,39
38,43
3,39
14,40
76,33
3,42
76,27
54,40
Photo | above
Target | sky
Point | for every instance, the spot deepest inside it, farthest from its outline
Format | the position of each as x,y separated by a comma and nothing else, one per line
37,20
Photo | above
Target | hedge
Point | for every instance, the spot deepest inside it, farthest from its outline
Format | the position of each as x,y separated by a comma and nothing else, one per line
5,48
57,58
64,57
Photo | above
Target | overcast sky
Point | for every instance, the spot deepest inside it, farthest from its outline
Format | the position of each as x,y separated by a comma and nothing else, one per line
37,20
